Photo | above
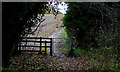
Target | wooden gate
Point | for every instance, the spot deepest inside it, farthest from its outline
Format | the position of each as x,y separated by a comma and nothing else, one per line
42,43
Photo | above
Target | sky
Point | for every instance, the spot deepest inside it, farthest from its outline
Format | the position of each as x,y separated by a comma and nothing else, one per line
61,7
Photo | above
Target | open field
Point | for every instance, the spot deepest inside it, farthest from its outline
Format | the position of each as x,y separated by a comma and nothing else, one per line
49,26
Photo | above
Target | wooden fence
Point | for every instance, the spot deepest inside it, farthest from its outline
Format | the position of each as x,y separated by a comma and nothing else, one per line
39,40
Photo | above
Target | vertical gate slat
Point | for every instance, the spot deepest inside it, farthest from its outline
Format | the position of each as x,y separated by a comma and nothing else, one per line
20,46
40,45
26,44
45,47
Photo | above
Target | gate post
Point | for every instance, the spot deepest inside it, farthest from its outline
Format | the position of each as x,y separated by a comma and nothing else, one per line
71,48
19,45
51,46
40,45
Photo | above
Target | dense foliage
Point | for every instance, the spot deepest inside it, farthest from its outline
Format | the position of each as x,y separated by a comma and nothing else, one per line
17,20
94,27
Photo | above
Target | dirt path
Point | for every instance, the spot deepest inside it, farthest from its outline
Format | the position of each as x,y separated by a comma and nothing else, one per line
56,52
57,33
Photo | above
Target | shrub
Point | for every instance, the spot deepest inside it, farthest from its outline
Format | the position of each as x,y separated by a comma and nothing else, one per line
78,51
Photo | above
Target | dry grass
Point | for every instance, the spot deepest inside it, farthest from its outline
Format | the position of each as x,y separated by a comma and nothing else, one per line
48,27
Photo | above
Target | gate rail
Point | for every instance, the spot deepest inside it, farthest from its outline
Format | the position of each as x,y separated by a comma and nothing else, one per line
29,39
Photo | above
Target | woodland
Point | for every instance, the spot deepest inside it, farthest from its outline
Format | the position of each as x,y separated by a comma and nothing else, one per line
92,27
